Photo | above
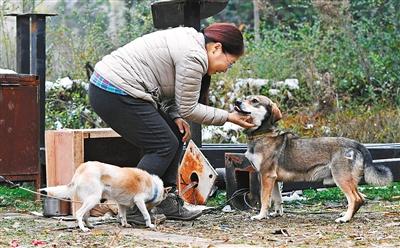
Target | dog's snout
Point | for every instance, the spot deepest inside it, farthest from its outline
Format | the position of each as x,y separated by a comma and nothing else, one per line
238,103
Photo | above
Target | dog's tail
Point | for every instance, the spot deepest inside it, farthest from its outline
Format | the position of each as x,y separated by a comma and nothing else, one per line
64,191
61,191
377,175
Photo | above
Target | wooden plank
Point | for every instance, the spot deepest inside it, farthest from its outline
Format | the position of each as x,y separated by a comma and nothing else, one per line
94,133
77,148
64,153
78,155
100,133
64,163
24,79
50,158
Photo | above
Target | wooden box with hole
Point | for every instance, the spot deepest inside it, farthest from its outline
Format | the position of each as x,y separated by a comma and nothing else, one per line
196,176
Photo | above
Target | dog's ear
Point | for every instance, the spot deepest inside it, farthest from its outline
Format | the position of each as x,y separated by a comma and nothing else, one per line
276,113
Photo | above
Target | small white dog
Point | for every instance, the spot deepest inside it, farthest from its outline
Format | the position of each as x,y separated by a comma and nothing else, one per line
94,181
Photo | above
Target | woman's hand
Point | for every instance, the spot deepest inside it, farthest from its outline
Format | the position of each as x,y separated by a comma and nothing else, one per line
184,128
244,121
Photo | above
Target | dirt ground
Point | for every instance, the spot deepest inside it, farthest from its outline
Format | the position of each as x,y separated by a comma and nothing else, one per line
377,224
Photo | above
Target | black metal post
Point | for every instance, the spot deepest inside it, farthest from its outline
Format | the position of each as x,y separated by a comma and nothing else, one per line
23,47
192,19
191,14
38,67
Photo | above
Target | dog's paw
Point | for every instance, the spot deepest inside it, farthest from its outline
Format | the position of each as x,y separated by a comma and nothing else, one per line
126,225
85,229
90,226
343,219
276,214
151,226
259,217
279,210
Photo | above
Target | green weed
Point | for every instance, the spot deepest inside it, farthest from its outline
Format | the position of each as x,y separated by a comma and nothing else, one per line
387,193
218,199
334,194
18,199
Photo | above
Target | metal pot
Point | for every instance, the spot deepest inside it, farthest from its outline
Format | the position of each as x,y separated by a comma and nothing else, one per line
55,207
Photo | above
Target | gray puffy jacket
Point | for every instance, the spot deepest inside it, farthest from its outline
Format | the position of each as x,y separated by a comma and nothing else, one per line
164,66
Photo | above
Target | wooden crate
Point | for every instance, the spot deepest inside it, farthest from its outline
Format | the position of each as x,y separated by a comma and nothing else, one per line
66,149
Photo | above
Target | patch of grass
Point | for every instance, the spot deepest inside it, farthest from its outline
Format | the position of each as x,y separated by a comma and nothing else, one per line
218,199
388,193
17,198
21,200
334,194
330,194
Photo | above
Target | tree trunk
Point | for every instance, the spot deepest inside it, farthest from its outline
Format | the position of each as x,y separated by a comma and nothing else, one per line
256,13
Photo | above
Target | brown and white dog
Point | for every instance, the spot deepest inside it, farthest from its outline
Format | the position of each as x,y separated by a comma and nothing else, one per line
284,157
94,181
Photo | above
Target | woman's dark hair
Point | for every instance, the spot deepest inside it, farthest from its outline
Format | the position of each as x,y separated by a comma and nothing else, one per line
228,35
232,42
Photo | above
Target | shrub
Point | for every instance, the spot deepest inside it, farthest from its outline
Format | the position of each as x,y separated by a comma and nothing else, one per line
67,105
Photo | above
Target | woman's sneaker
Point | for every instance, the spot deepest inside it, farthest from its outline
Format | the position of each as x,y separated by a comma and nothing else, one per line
172,207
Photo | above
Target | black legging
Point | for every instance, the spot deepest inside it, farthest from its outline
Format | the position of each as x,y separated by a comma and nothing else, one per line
142,125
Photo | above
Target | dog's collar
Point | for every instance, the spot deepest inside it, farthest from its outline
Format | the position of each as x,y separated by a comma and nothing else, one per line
263,133
155,194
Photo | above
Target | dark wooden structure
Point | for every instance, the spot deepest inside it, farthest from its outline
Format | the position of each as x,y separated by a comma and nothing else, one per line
31,59
174,13
184,12
19,127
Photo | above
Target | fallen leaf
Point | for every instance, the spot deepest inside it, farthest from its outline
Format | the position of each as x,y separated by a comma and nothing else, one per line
38,242
14,243
391,214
